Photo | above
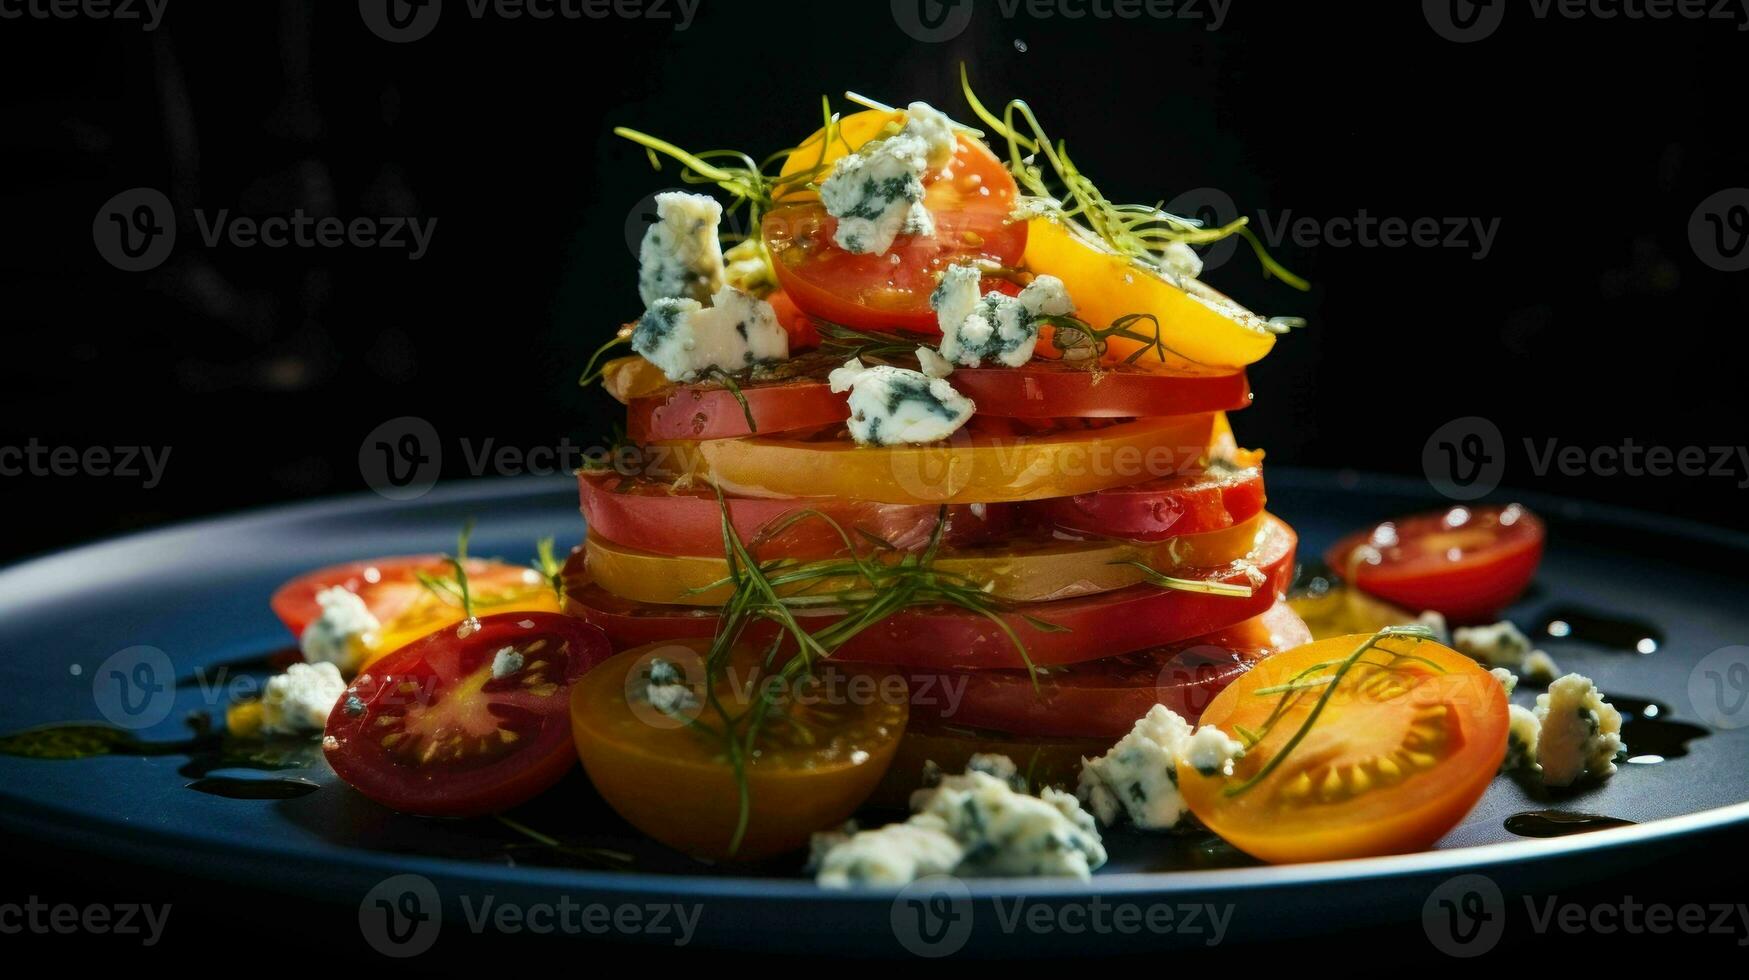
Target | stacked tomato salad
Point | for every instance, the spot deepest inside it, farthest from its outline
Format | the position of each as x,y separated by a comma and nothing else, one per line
929,501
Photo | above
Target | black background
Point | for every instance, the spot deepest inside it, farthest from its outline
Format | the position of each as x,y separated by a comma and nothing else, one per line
1591,141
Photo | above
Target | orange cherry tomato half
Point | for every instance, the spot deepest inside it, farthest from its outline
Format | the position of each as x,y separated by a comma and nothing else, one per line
820,755
1103,698
465,721
1466,563
971,201
1402,745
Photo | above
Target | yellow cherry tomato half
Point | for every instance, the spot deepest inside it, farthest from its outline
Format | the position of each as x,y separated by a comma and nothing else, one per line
1400,746
1027,569
982,466
821,752
1196,321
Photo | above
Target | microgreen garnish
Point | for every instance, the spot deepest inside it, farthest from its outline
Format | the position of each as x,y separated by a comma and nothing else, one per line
1141,232
1306,681
596,369
1078,340
1190,585
547,563
728,381
457,586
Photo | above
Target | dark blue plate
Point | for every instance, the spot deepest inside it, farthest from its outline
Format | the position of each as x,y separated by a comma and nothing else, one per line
198,593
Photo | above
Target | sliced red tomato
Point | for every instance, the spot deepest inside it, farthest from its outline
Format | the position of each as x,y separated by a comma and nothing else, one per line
1384,756
1103,698
1188,503
392,592
1466,563
1054,389
803,334
466,721
972,201
654,516
1080,629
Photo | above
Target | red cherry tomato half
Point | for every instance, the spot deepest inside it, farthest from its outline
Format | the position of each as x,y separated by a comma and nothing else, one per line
463,723
1085,628
1466,563
971,203
390,586
1187,503
1103,698
651,515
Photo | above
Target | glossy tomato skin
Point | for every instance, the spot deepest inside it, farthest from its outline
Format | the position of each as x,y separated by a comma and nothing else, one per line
458,740
971,203
1401,749
1188,503
295,601
1103,698
1044,389
1467,563
1089,627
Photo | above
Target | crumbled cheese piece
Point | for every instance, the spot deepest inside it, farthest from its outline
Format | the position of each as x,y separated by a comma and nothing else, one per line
1138,778
981,822
667,690
891,405
505,662
298,701
685,339
876,193
1507,678
1499,645
338,635
1435,621
1580,733
748,267
1522,733
681,257
993,325
1180,261
1539,668
933,365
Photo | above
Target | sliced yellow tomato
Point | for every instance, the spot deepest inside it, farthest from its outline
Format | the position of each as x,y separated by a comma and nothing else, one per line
496,588
1198,323
1024,570
626,378
1077,457
853,131
1363,748
1340,610
821,755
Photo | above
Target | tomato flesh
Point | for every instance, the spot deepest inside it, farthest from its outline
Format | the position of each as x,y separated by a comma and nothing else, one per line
1403,745
1161,508
818,760
1466,563
440,727
1103,698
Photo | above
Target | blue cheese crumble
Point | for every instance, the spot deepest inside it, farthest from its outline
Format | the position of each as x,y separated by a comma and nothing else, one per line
1138,778
298,701
993,325
876,193
505,662
1499,645
1523,731
667,690
1579,733
890,405
681,256
979,823
338,636
686,339
1539,668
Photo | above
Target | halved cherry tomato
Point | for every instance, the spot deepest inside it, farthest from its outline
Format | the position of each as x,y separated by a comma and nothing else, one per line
796,395
467,721
1103,698
407,610
655,516
1401,748
820,755
1081,629
988,461
1466,562
1197,322
971,202
1022,568
1161,508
